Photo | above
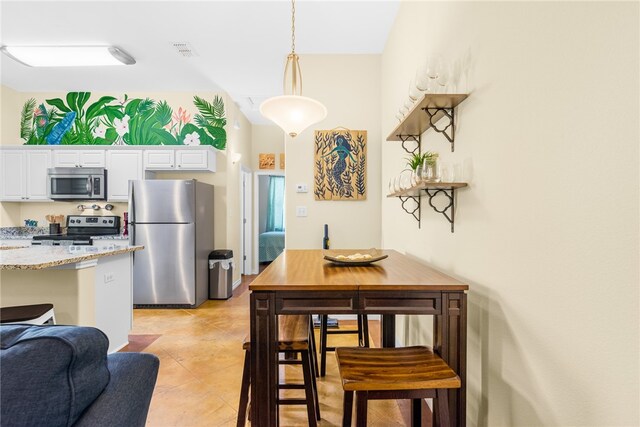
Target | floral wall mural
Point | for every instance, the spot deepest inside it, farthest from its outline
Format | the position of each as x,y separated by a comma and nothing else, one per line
121,121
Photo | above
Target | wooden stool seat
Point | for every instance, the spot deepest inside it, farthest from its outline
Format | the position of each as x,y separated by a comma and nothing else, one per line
294,336
293,333
394,373
35,314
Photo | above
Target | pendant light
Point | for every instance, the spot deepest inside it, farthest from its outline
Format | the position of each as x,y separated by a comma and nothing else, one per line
292,111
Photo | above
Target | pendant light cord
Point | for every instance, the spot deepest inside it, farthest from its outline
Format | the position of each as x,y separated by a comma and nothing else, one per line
293,26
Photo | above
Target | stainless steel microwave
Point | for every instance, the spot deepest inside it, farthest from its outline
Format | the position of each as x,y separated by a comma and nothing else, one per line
77,183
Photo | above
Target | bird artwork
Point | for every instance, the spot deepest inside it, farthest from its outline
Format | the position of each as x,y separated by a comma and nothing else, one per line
340,164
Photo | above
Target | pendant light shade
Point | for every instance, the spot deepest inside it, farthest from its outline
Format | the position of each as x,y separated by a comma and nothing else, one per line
292,111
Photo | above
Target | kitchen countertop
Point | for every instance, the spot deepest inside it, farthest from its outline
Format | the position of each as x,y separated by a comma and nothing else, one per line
26,233
40,257
21,233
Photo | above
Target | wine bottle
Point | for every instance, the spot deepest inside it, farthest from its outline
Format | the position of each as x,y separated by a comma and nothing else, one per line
325,239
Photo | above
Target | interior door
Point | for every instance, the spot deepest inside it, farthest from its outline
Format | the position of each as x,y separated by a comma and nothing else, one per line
247,236
164,272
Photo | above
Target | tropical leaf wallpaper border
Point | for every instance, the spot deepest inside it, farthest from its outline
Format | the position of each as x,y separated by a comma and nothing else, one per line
121,121
340,165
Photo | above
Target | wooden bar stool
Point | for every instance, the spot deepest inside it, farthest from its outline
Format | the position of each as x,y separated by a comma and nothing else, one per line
362,331
394,373
294,337
36,314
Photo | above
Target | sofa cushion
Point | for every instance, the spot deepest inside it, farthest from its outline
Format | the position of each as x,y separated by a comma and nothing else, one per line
50,374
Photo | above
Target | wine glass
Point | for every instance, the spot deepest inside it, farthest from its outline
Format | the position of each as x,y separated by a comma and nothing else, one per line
423,81
430,171
447,172
408,104
414,91
432,66
444,74
397,184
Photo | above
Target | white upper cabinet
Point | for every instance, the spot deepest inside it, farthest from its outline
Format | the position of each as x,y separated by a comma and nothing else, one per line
159,160
79,158
198,159
24,168
181,159
122,166
24,175
37,164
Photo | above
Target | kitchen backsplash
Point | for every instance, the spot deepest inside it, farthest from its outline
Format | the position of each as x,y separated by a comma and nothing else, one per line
16,213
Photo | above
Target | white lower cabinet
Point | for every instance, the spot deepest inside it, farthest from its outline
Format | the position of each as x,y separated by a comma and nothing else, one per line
122,166
24,175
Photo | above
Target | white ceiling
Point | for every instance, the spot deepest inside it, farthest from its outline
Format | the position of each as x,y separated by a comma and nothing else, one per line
241,45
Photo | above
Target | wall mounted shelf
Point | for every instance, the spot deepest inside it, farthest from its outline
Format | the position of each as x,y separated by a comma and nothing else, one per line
431,189
424,115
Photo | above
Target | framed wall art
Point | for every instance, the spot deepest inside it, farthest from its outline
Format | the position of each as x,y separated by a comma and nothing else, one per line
340,164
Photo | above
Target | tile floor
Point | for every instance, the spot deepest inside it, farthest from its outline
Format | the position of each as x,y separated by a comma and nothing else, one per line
201,359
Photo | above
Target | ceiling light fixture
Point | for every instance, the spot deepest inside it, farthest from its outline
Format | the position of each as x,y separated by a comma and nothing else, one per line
292,111
68,56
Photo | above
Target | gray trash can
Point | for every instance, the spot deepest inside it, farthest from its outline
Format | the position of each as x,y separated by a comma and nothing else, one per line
220,274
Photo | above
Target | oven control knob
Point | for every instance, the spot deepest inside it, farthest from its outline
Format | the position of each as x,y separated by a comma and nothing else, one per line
110,221
72,221
104,221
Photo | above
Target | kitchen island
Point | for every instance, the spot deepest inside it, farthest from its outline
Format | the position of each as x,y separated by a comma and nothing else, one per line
88,285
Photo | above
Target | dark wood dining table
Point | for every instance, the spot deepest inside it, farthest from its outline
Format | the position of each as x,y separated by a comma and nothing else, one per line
302,281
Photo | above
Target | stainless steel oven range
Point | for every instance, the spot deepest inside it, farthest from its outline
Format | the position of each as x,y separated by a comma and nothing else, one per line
80,228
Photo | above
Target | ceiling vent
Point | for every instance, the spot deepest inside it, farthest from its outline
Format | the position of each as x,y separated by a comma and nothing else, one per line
184,49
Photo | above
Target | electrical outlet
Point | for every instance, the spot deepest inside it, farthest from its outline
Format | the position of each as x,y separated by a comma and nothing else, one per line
302,188
301,211
108,278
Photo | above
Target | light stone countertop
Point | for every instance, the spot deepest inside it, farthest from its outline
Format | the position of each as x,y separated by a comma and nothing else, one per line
40,257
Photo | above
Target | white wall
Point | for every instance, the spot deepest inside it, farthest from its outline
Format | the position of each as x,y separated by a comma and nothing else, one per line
9,212
349,86
547,233
266,139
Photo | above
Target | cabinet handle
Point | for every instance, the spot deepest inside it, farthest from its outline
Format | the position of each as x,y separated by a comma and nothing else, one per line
179,166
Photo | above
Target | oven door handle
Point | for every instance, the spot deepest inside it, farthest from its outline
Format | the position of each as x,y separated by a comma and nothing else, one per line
89,186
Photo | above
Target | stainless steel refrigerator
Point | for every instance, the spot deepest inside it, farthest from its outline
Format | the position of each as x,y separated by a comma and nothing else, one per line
173,219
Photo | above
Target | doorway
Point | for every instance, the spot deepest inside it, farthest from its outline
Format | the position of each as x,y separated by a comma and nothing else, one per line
268,217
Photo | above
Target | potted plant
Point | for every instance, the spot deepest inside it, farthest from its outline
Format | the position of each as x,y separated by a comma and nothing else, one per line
415,161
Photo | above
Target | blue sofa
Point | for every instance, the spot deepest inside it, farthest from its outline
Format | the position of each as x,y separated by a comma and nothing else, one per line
62,376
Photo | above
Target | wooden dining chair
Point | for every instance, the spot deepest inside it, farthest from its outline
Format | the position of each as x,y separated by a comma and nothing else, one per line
394,373
294,337
362,331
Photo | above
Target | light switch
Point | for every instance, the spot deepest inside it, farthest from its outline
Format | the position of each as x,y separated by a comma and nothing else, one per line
301,211
302,188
